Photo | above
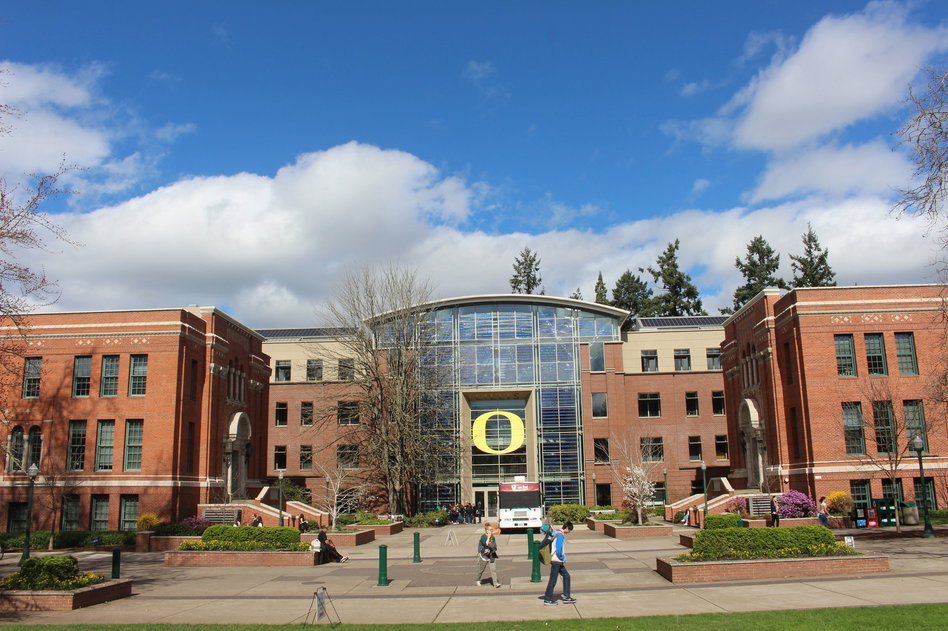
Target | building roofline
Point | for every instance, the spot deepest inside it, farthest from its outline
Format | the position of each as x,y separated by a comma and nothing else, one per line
613,312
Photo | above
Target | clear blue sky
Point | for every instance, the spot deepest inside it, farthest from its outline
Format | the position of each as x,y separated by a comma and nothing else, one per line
594,133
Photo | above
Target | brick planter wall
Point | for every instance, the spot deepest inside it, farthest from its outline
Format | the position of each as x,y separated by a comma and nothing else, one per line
596,524
686,540
145,541
262,558
633,532
353,538
711,571
380,529
790,522
20,600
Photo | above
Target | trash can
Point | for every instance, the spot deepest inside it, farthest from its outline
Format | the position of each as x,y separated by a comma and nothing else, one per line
909,514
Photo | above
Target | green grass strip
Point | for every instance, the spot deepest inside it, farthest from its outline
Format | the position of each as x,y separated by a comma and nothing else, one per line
913,617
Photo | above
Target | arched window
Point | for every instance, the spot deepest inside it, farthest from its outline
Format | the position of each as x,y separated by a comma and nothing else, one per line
16,450
34,447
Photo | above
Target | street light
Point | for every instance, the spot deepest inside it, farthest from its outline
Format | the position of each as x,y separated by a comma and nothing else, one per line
704,481
918,445
32,472
665,475
280,475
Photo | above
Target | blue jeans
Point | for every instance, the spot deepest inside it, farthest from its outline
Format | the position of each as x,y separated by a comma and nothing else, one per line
557,569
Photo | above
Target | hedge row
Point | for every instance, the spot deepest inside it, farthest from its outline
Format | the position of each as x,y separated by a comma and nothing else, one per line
264,537
52,572
240,546
39,539
727,520
764,543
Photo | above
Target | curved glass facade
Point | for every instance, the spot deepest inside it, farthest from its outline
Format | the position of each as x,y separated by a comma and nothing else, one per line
510,396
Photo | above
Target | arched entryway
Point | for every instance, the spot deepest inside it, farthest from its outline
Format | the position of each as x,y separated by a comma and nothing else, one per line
752,442
236,456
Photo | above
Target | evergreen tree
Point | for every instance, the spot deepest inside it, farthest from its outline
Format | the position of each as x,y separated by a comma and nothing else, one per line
811,269
526,278
602,294
633,294
576,295
758,267
680,296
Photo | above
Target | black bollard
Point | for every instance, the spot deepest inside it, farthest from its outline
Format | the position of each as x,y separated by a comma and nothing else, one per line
116,562
417,557
383,566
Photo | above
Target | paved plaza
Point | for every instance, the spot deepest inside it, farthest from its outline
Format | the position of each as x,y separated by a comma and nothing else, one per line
610,578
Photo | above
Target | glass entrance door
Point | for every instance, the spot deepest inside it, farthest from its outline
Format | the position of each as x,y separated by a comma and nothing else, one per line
488,499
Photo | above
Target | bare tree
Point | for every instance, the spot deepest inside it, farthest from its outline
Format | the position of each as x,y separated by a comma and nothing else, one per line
340,483
381,323
638,460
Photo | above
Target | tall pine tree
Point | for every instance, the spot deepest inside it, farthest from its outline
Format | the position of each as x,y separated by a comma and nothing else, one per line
759,267
812,268
680,296
602,294
526,278
632,293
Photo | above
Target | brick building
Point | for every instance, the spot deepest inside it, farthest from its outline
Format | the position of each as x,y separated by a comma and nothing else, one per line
128,412
826,386
588,385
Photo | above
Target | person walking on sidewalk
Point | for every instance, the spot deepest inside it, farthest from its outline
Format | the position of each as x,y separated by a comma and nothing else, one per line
487,555
558,567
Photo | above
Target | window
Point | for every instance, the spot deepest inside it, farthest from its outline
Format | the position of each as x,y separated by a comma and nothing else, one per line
601,450
717,403
193,384
845,355
346,369
282,372
81,375
189,448
108,385
77,446
854,428
600,405
885,431
661,496
99,513
691,403
34,445
347,456
280,413
720,447
32,369
649,361
682,359
653,449
905,353
137,375
892,490
714,358
875,354
128,512
279,457
925,494
15,462
650,404
104,442
133,444
694,448
70,510
860,490
306,413
314,370
597,359
306,457
915,421
16,517
347,412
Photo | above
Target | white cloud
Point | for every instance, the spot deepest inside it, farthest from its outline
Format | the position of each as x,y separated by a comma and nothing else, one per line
699,186
477,71
268,249
695,87
846,69
870,168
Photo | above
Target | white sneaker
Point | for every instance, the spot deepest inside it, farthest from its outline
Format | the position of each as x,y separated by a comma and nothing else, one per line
478,583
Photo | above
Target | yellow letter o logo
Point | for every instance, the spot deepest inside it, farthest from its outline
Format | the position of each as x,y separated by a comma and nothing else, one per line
479,432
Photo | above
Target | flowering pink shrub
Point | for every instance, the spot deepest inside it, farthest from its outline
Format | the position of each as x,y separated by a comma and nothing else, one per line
196,524
736,505
796,504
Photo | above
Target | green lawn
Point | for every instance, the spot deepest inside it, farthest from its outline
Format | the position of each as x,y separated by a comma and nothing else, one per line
844,619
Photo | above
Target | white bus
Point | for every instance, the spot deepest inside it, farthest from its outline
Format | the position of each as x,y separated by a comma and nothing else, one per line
519,505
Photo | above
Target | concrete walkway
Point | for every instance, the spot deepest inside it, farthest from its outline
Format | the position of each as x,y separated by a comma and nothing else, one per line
610,578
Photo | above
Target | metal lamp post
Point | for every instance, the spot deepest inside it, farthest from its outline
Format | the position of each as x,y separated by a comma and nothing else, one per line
665,476
918,445
704,482
280,476
32,472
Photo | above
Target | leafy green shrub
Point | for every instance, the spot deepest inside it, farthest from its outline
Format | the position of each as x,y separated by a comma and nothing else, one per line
369,519
721,521
765,543
679,516
263,537
147,521
576,513
39,539
51,572
937,516
165,529
239,546
603,507
658,511
430,519
345,520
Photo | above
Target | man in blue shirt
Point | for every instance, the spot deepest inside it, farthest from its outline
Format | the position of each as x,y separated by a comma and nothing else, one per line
558,567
